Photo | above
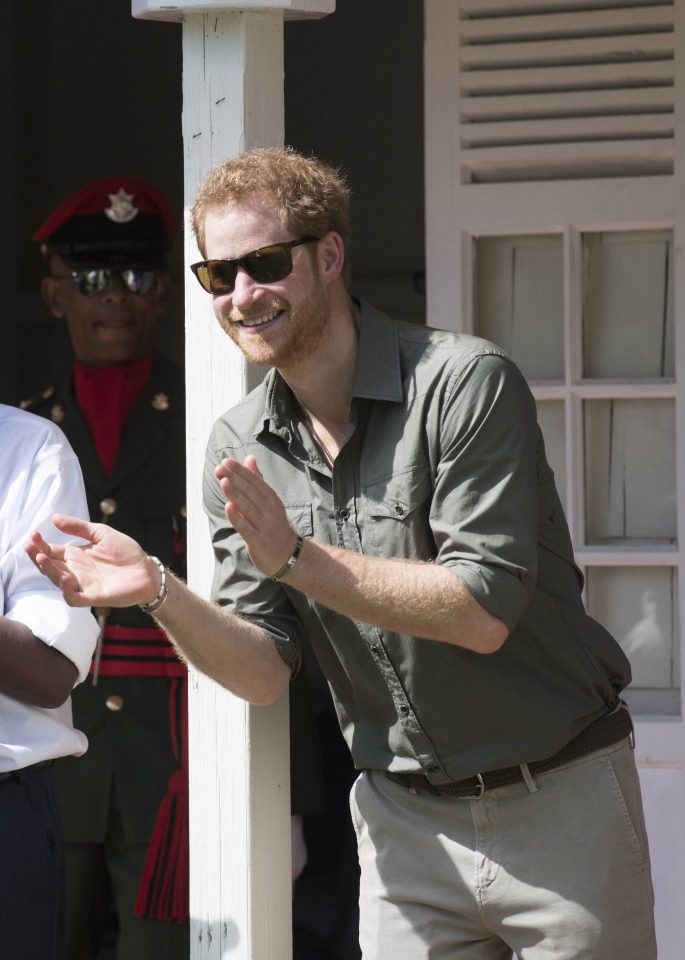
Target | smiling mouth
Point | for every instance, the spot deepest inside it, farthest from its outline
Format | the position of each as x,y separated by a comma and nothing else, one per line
252,322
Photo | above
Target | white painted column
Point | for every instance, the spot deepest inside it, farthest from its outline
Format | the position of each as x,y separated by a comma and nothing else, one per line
240,896
230,842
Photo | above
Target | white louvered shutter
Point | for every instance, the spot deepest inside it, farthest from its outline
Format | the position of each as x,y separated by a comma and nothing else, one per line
555,226
554,89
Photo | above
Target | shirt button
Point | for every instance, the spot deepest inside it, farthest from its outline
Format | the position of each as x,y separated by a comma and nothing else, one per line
114,703
343,513
399,509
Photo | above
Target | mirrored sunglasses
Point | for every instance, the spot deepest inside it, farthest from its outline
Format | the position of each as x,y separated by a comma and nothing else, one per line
265,265
94,281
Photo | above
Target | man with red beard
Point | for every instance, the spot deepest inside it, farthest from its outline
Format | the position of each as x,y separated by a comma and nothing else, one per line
384,494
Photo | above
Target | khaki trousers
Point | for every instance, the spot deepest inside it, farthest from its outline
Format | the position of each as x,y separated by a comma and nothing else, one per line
559,872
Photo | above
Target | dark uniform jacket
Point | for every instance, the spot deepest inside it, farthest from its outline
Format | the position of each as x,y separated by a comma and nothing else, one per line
126,718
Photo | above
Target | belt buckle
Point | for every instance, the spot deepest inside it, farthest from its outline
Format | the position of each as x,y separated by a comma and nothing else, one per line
481,790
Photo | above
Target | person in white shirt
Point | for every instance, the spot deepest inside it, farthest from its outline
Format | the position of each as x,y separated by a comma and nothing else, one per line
45,649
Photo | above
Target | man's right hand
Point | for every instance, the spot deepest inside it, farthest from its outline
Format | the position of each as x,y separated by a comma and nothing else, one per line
110,569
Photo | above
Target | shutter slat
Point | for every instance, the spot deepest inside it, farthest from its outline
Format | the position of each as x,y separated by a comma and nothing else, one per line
586,103
481,9
570,160
569,129
644,46
586,23
587,77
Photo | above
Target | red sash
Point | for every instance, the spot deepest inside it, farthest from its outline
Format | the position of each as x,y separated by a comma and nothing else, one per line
163,893
138,652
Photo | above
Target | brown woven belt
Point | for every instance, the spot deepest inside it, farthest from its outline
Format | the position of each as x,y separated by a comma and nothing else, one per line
601,733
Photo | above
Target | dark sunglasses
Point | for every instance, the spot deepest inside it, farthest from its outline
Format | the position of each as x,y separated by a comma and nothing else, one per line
92,282
266,265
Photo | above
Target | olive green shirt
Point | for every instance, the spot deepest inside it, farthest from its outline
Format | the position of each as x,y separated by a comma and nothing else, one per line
444,463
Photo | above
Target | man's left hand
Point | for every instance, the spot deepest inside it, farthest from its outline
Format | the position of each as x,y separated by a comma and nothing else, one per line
256,511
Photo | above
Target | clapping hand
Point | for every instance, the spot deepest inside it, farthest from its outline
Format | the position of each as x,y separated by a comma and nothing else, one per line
256,511
110,569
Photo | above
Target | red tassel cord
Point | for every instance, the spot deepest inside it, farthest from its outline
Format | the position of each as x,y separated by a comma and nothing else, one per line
163,893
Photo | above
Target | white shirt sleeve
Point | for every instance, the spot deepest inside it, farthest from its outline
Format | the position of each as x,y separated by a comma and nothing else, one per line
43,478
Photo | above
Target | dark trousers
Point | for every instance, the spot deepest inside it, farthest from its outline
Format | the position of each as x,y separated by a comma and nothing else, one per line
102,873
32,882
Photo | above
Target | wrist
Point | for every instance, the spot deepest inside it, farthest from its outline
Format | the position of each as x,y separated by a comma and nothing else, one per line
155,602
283,571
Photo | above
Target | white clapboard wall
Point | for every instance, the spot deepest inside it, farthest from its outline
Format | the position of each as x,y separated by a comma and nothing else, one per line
555,130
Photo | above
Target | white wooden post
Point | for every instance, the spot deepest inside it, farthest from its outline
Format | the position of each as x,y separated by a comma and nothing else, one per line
240,896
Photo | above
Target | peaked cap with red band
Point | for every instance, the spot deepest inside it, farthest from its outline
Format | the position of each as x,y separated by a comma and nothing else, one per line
114,219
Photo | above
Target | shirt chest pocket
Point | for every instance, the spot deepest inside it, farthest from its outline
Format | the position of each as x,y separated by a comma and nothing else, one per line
398,508
299,513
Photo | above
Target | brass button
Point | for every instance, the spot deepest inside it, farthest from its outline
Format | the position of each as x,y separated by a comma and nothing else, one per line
114,703
108,506
57,413
160,402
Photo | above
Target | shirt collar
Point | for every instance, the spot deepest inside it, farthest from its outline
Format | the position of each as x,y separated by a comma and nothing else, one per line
377,376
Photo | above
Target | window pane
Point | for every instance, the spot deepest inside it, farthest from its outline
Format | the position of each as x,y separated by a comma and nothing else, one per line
638,605
628,305
553,426
519,301
630,485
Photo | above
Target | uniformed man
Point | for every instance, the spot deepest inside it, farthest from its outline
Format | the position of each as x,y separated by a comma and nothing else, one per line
121,404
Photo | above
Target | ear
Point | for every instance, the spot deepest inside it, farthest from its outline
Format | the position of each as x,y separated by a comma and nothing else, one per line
163,284
331,254
52,293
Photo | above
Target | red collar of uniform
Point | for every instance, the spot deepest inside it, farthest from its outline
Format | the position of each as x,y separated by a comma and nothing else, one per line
107,397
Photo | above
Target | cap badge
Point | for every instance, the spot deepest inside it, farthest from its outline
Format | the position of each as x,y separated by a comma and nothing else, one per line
122,209
160,402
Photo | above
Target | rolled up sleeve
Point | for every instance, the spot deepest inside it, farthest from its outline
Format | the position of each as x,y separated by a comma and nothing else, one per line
484,509
53,485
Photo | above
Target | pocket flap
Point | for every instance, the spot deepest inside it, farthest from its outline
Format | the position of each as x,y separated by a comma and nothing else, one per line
399,495
299,515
